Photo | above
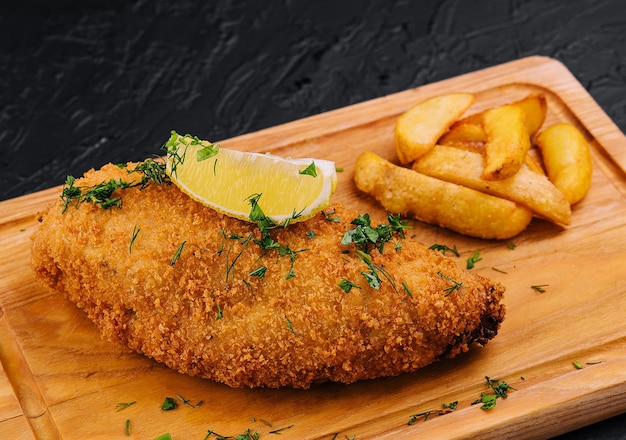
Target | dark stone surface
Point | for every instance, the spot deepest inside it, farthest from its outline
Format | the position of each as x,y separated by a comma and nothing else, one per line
83,83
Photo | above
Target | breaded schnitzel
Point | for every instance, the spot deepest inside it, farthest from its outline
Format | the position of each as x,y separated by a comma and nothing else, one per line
220,298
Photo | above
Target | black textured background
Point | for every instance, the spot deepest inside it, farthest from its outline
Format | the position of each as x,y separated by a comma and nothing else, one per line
83,83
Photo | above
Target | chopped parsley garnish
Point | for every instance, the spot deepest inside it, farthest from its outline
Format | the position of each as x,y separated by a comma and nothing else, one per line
539,287
207,152
447,408
230,267
177,254
133,238
455,284
372,277
364,236
188,402
499,388
280,430
310,170
169,404
443,249
173,152
331,217
176,149
347,285
123,405
153,172
471,261
290,327
258,272
266,225
102,194
406,289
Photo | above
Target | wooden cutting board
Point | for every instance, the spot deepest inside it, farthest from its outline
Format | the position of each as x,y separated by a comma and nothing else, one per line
61,380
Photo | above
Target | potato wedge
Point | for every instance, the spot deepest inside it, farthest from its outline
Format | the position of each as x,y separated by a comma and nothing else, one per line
464,210
567,159
535,108
466,133
418,129
534,161
507,142
526,186
469,129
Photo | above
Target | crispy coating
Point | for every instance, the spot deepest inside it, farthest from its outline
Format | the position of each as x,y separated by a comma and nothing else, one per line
196,307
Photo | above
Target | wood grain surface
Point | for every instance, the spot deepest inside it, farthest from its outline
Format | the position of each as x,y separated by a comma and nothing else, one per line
61,380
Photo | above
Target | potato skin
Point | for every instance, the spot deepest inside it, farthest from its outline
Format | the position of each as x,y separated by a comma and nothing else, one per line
469,212
567,159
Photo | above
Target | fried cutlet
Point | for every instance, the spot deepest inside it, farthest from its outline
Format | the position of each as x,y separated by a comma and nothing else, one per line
216,297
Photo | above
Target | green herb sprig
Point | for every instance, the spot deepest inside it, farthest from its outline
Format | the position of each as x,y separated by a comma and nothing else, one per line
102,194
188,403
444,249
121,406
178,253
455,284
290,327
133,238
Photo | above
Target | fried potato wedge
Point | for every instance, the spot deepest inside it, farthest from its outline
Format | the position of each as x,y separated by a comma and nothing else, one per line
465,133
507,142
470,129
526,186
418,129
464,210
534,161
535,108
567,159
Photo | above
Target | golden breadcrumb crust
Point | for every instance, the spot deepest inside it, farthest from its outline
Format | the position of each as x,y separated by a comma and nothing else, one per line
197,309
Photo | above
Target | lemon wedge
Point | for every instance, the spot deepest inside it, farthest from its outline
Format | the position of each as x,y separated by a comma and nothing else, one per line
231,181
